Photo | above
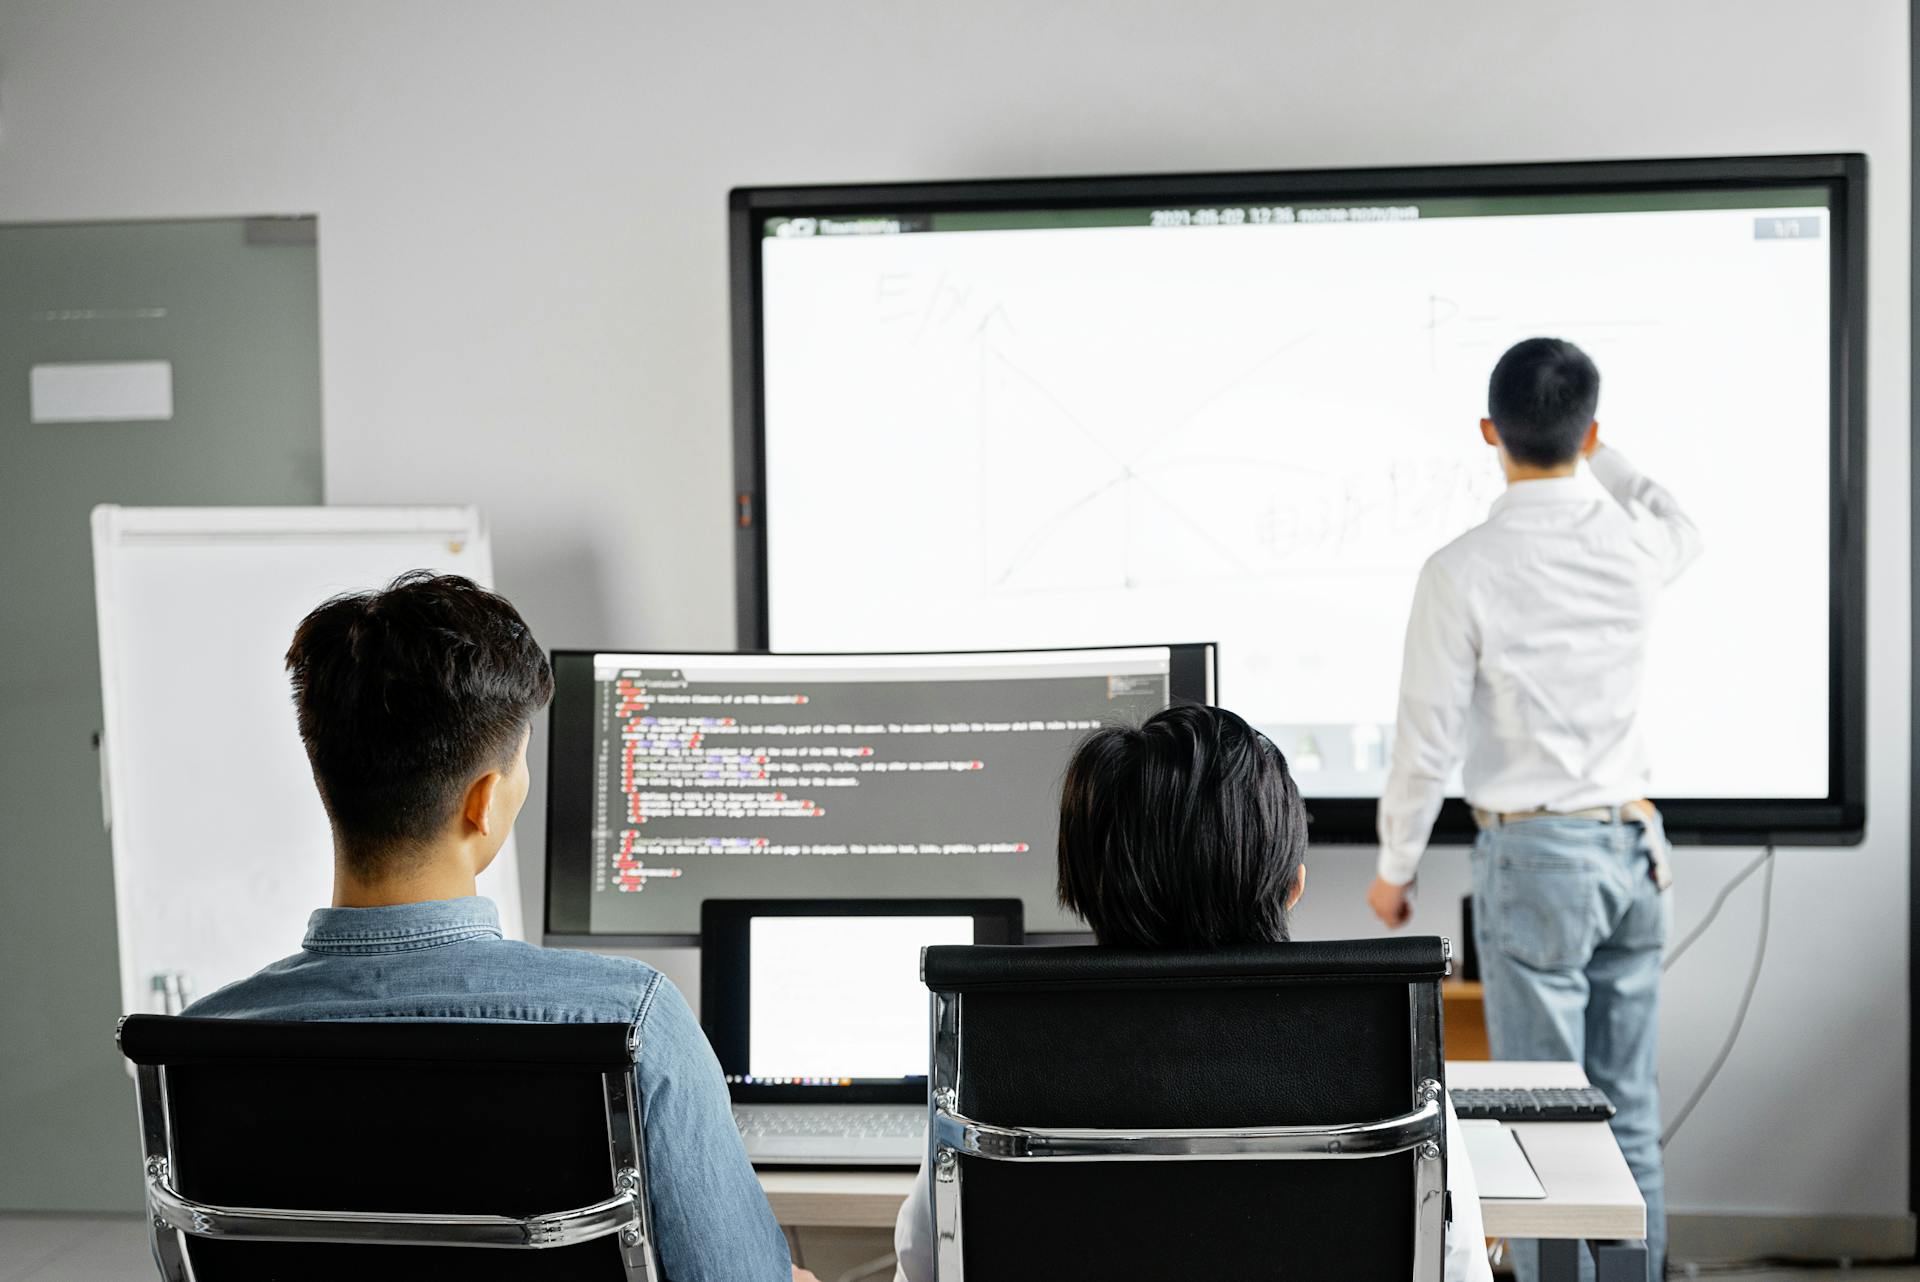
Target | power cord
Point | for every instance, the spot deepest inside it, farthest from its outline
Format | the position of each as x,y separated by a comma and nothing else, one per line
1719,901
1746,998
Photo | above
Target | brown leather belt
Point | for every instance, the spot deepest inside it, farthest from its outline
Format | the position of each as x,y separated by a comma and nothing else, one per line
1641,811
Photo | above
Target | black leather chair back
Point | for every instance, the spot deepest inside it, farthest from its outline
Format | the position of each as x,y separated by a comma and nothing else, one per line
424,1118
1289,1034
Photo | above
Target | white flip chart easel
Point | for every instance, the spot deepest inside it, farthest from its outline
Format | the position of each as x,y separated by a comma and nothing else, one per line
220,844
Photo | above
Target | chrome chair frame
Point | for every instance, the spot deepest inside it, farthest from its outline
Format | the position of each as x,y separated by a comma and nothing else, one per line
172,1217
1421,1131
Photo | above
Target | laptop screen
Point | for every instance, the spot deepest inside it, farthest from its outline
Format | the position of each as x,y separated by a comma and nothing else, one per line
810,1000
839,999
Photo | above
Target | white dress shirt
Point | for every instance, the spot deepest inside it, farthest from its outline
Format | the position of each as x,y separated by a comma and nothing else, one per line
1466,1257
1526,651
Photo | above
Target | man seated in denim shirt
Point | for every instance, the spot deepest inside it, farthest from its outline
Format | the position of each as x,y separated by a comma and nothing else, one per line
415,704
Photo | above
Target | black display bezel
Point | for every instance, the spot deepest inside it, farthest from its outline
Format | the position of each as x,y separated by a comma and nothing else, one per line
725,999
1839,818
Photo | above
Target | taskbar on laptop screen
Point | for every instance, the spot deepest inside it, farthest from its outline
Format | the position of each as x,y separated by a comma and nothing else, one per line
749,1079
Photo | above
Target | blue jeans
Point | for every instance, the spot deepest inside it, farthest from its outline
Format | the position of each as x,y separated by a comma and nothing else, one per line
1571,930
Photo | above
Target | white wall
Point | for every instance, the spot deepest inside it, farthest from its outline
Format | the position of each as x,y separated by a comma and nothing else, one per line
523,284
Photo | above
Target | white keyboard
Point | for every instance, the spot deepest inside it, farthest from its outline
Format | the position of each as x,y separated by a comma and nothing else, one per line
833,1134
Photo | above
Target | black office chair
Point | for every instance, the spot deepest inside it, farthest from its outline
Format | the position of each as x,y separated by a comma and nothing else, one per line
340,1150
1257,1112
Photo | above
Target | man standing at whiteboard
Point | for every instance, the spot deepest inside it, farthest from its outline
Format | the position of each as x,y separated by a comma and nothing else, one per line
1524,660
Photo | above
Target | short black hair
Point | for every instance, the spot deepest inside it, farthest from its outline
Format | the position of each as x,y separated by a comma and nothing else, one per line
1541,399
1185,832
404,696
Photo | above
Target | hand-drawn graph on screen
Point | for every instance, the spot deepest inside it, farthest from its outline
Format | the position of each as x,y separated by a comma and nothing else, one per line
1073,434
1248,472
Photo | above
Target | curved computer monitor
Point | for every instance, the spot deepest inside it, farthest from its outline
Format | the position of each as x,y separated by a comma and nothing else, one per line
678,778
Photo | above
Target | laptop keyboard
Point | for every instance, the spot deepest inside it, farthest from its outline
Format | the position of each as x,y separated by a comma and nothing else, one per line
833,1134
812,1119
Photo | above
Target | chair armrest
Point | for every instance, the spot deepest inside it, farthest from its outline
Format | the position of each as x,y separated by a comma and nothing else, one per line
393,1228
1420,1129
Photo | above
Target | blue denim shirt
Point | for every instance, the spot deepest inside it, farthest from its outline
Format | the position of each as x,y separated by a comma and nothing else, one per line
447,960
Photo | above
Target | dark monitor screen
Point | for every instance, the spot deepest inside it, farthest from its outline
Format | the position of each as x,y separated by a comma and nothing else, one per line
679,778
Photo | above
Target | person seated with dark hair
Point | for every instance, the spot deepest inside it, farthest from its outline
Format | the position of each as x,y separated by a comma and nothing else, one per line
1188,833
415,704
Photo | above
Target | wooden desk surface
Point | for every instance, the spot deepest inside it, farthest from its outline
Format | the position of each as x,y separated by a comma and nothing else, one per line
1590,1191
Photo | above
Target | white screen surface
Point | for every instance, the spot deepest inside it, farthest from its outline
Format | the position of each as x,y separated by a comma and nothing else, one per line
834,998
1256,434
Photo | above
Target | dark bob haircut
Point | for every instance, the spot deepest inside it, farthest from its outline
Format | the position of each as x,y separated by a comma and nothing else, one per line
1541,399
1187,832
407,695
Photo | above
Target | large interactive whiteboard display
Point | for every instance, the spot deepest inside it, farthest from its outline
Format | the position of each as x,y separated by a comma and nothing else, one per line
1245,407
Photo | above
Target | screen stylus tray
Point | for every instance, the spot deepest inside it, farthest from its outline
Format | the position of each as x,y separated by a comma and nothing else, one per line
1500,1165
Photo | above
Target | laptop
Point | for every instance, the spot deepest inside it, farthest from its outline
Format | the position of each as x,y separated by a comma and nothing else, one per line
816,1011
